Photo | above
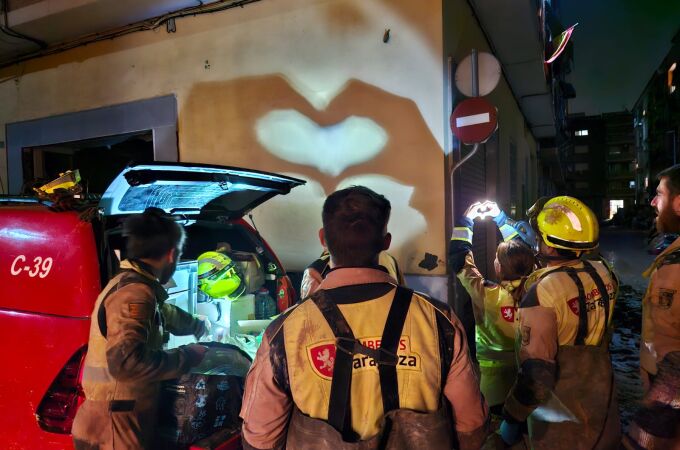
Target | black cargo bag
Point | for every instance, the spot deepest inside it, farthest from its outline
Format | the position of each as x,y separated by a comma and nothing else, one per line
205,401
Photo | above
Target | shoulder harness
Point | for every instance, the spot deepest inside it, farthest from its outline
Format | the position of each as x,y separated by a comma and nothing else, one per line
124,281
589,269
339,414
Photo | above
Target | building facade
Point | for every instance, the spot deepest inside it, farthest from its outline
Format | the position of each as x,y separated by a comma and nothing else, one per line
657,124
600,162
620,160
337,92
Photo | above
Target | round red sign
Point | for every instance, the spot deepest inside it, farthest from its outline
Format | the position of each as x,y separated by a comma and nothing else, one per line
474,120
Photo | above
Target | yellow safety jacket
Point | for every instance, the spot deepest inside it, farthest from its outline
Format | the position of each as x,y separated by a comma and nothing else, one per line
495,310
290,395
419,364
565,384
494,305
315,272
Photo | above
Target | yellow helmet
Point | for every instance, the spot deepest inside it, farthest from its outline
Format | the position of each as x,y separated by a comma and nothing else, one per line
567,223
217,276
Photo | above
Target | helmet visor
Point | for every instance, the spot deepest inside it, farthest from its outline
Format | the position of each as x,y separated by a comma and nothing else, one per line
532,213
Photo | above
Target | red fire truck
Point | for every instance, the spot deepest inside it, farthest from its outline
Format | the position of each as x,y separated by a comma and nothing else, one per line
54,261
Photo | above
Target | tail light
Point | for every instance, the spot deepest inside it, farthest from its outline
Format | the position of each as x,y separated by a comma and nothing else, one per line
59,405
285,293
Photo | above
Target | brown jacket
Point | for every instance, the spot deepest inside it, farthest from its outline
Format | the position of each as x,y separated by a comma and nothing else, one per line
565,384
661,309
272,391
125,361
657,423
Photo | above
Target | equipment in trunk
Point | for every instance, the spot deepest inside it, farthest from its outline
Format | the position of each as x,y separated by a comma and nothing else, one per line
205,401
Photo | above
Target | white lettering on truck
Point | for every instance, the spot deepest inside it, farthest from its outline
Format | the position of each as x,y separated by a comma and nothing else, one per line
39,268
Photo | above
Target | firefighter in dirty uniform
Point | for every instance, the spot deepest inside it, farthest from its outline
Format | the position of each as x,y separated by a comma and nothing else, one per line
363,363
656,425
316,271
564,388
125,361
494,305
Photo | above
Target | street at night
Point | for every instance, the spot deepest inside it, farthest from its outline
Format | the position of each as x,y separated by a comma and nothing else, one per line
627,250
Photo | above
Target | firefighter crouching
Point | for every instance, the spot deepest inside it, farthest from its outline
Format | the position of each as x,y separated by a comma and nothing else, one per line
316,272
564,389
656,425
125,361
363,363
494,305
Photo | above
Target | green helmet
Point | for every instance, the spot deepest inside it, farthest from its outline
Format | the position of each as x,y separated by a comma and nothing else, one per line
217,276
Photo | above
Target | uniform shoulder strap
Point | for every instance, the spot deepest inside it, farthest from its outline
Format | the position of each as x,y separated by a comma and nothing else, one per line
339,411
602,287
341,383
389,343
124,281
582,306
588,268
671,258
320,265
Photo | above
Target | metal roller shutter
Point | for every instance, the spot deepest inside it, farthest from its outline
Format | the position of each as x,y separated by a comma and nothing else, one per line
470,182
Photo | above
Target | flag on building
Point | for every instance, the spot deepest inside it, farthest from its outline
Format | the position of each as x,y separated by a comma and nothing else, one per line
560,43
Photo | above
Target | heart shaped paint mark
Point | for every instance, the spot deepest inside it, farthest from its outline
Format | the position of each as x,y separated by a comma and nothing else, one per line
296,138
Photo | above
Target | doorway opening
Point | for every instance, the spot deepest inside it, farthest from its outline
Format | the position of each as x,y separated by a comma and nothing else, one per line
614,206
99,160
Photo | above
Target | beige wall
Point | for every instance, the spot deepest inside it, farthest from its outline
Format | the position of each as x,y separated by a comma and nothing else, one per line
350,108
314,70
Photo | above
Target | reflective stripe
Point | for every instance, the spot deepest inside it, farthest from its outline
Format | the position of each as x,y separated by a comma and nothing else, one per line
96,374
462,234
496,363
217,269
508,232
572,245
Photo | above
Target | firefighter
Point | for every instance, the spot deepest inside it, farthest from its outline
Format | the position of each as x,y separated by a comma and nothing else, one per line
656,424
564,388
494,304
316,271
125,361
362,362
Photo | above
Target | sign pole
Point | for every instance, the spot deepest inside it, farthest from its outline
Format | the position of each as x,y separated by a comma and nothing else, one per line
474,120
475,93
475,74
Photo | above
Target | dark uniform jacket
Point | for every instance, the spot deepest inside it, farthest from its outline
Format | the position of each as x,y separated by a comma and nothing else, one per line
125,361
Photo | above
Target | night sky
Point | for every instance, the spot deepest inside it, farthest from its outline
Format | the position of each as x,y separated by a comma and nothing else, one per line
617,46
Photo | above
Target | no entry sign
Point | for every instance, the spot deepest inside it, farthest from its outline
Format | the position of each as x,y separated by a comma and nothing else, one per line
474,120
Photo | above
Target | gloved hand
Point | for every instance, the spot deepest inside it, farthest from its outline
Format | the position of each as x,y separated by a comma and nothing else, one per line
489,209
511,433
473,211
194,353
204,328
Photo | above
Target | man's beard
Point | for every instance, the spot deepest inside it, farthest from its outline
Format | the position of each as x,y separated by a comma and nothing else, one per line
668,222
167,272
